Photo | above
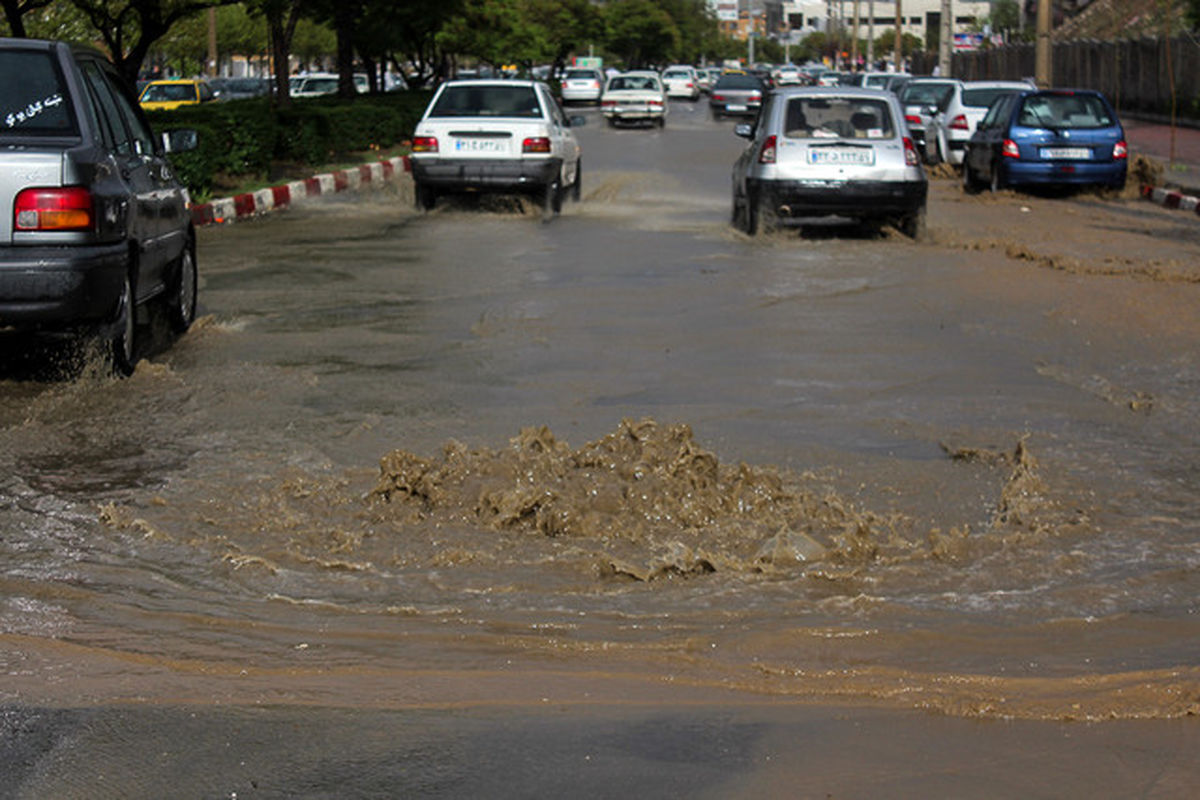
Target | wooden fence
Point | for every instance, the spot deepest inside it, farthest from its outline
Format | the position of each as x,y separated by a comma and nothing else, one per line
1135,74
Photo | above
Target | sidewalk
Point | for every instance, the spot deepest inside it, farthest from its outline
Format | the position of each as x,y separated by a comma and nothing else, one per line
1178,151
249,204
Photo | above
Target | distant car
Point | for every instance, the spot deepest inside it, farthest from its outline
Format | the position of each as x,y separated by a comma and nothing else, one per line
876,80
681,81
1047,138
314,85
705,77
922,98
169,94
227,89
736,94
497,135
634,97
582,85
788,75
829,79
96,224
950,128
834,151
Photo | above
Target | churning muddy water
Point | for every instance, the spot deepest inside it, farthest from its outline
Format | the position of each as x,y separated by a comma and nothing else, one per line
466,459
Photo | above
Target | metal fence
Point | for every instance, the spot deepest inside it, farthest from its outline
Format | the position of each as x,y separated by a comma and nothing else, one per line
1136,74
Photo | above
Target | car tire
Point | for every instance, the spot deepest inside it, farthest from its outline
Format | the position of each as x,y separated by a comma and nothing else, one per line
997,179
181,308
766,219
969,183
551,198
122,347
577,186
913,225
748,220
426,197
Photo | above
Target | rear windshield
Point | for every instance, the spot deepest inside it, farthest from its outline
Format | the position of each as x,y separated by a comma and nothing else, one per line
982,98
487,101
926,94
738,82
33,100
581,74
168,93
634,82
676,73
1064,111
837,118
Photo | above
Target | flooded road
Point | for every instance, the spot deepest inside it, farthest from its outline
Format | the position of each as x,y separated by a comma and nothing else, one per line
416,480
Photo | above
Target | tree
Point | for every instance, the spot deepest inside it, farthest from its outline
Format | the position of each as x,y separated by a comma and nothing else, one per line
129,28
640,32
15,11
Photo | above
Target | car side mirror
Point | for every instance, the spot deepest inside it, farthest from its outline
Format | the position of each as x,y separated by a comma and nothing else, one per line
744,130
179,140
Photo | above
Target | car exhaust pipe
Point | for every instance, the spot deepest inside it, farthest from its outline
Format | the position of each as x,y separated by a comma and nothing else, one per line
784,211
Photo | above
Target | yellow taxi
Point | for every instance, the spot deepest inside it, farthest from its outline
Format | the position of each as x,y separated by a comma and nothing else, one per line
166,95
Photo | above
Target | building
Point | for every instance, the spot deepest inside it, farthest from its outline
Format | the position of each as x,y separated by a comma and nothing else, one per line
921,18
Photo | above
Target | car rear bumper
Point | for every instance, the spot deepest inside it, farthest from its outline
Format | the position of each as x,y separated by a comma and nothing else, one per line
58,287
738,110
1019,173
489,175
631,113
857,199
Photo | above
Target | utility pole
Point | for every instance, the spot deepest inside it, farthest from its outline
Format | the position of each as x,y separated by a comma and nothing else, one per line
946,43
871,34
854,40
1043,68
211,70
898,50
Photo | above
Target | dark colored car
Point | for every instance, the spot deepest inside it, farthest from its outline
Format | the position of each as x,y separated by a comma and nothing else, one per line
240,88
93,221
1051,138
736,94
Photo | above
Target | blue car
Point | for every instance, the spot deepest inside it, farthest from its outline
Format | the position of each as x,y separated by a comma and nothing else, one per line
1050,138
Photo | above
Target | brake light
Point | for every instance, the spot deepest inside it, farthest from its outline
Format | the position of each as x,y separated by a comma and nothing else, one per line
1009,149
424,144
535,144
911,158
767,154
720,98
1120,150
959,123
564,84
756,95
912,119
654,102
68,208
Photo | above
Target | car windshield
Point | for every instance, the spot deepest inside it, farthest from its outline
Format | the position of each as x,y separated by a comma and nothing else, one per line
738,82
837,118
487,101
317,85
982,98
32,98
580,74
635,82
676,73
168,92
926,94
1064,111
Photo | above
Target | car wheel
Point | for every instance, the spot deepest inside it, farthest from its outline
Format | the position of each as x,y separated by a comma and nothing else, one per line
426,197
748,221
123,345
551,198
997,181
661,122
182,302
969,184
913,225
767,221
716,115
577,187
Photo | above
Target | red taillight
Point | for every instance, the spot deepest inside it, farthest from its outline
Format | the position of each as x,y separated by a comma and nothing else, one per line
535,144
691,85
424,144
720,98
959,123
61,209
1120,150
564,84
912,119
756,95
1009,149
654,102
767,154
911,158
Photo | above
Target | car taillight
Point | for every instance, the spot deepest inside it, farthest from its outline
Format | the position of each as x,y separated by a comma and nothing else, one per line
756,95
564,84
1009,149
68,208
691,85
535,144
959,123
911,158
1120,150
720,98
767,154
655,102
912,119
424,144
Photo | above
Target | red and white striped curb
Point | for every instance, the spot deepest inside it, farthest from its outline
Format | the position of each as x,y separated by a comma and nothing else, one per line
249,204
1171,198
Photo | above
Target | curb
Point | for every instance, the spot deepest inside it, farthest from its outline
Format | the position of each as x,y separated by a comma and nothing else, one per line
250,204
1171,198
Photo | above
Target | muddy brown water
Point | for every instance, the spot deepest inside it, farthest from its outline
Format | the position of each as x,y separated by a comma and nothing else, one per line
630,458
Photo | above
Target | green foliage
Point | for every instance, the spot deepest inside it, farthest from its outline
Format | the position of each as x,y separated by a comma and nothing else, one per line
245,138
640,32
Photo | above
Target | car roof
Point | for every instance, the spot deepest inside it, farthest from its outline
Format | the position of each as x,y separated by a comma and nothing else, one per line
834,91
493,82
996,85
641,72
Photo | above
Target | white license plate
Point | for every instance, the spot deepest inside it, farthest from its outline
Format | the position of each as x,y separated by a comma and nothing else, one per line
481,145
842,155
735,107
1076,153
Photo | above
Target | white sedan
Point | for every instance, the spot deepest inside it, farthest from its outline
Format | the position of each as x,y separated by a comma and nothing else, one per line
634,97
682,81
950,128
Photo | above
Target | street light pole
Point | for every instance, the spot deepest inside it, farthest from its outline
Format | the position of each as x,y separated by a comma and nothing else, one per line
898,48
946,42
1043,68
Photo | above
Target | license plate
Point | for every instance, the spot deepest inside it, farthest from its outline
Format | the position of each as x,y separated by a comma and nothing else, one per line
735,107
481,145
842,155
1076,153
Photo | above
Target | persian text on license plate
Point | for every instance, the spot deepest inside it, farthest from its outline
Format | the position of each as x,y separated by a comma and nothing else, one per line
846,155
1066,152
481,145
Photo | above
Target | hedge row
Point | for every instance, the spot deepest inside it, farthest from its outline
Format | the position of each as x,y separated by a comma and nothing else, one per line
248,139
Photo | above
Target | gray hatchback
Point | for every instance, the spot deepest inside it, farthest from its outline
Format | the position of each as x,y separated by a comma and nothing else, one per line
836,151
93,221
